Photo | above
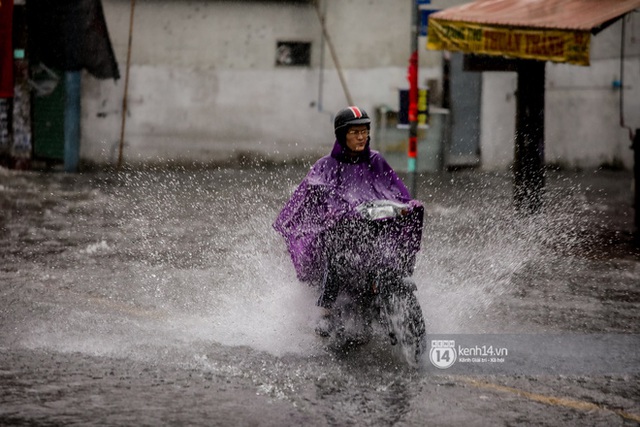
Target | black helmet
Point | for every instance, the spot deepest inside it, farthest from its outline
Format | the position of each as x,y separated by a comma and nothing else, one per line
349,116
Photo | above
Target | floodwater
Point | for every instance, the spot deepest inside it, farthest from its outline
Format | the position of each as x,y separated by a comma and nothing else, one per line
164,297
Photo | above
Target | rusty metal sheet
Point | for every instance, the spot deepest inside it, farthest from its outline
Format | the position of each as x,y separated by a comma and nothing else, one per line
579,15
547,30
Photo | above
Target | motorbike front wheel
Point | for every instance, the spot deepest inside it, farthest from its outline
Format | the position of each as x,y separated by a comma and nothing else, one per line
402,315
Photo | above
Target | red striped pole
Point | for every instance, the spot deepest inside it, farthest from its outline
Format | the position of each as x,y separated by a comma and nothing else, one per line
412,76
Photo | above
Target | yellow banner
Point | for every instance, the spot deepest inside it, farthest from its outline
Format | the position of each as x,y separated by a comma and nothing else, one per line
547,45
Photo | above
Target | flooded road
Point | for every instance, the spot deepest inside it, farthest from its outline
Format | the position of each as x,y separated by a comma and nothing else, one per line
165,298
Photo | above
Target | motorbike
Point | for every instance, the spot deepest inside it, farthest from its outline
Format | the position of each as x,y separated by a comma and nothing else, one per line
371,255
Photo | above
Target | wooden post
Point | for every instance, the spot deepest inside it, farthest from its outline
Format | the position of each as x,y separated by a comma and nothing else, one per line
528,167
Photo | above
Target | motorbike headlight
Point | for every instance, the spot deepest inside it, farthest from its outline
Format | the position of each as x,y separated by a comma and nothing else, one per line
382,209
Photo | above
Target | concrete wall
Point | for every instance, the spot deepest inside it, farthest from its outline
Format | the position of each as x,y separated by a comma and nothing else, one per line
582,107
204,85
497,121
583,126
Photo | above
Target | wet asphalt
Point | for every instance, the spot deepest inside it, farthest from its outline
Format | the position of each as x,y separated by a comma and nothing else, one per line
163,297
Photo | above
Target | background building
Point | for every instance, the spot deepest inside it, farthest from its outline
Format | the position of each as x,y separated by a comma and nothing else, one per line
216,80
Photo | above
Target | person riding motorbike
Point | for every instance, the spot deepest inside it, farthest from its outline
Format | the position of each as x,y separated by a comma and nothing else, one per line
352,174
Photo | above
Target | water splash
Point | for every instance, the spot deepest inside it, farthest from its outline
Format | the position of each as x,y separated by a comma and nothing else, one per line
476,246
189,257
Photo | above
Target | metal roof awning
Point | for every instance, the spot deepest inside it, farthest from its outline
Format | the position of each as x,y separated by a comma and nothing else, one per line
548,30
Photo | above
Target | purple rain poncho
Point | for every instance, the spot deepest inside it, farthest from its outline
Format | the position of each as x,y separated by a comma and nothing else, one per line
329,194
